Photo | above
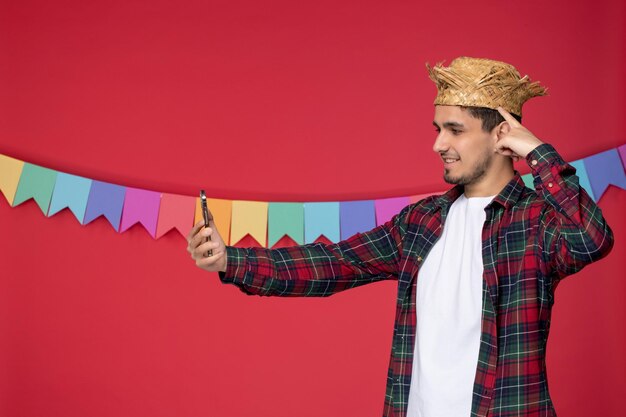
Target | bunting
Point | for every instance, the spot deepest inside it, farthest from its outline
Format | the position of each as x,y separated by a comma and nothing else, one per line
266,222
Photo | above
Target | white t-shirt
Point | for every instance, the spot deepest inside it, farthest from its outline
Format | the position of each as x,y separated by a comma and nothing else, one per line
449,308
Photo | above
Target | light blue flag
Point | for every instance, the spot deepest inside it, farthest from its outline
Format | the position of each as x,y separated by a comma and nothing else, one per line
70,191
356,217
38,183
583,179
321,219
604,169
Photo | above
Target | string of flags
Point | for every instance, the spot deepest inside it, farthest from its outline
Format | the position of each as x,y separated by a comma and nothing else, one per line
265,222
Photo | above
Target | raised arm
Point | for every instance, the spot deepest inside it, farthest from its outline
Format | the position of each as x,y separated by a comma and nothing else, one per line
575,232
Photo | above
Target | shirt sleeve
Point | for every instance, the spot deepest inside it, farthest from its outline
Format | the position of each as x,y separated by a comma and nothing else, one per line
319,269
575,232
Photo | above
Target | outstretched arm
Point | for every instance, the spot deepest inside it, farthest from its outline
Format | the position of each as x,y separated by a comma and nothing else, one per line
315,269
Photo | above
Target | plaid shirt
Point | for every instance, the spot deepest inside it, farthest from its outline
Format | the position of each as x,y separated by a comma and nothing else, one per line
530,241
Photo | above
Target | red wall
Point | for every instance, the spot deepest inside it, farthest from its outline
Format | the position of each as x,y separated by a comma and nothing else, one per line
280,101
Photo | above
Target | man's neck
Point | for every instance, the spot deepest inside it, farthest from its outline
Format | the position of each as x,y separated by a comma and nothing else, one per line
490,185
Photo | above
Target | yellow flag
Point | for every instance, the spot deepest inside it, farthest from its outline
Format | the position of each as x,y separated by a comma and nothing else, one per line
10,172
249,217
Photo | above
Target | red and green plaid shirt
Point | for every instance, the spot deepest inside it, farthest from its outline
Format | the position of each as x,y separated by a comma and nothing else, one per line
531,240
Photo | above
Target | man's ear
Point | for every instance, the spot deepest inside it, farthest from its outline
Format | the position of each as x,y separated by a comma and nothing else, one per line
501,130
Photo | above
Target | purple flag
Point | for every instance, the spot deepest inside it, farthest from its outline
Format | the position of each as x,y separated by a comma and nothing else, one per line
622,155
141,206
105,199
356,216
603,169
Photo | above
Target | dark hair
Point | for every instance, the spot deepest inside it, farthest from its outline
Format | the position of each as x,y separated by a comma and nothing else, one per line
490,118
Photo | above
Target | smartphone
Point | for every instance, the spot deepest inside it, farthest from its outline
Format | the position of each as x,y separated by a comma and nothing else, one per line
205,216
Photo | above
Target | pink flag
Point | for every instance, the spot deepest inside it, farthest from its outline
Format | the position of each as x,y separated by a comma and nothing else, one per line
389,207
141,206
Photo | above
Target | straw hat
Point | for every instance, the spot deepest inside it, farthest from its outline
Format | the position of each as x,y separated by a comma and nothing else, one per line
478,82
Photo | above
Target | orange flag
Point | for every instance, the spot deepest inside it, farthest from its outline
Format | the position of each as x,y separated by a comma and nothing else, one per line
221,211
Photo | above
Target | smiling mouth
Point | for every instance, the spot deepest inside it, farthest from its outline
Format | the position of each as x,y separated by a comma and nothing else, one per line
449,161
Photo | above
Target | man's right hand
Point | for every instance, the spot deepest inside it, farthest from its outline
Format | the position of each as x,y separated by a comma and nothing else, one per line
198,248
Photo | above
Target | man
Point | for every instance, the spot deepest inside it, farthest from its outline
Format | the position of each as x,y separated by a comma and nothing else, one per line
476,266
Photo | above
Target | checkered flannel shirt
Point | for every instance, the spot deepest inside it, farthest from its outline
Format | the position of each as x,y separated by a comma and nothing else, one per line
531,240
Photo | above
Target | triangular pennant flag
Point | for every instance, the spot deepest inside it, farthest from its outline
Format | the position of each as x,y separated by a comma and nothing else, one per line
175,211
604,169
105,199
10,171
221,210
38,183
356,217
285,219
583,178
249,217
321,219
70,191
529,181
141,206
389,207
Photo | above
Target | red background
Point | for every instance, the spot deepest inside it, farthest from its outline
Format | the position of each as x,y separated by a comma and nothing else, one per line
276,101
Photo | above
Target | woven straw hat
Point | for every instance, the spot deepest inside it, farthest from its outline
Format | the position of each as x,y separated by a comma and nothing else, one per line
478,82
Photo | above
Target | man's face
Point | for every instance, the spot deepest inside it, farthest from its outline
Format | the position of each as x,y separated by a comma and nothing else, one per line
466,150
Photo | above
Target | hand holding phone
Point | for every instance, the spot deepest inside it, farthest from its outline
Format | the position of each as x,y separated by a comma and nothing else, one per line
205,216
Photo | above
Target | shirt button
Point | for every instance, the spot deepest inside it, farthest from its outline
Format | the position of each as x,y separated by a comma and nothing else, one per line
533,162
550,184
419,259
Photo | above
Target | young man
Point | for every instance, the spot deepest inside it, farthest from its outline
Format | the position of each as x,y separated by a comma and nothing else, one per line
476,266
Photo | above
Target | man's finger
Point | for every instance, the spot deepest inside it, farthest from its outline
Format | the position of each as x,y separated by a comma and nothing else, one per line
194,230
199,238
206,262
202,249
508,117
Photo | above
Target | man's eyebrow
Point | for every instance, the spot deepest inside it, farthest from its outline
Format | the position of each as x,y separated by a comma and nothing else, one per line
450,125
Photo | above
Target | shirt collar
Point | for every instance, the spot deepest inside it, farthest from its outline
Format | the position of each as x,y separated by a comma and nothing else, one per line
507,197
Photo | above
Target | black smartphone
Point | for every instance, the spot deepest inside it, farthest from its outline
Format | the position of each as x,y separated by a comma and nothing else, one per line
205,216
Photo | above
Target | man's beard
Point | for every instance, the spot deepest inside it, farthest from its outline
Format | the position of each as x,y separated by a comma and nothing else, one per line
479,171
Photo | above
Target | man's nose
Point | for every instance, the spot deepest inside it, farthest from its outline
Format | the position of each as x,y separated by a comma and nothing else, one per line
441,144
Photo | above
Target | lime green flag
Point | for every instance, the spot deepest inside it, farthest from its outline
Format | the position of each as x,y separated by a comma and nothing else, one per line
38,183
285,219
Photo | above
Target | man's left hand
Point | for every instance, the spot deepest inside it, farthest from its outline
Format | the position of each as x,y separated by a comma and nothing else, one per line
514,140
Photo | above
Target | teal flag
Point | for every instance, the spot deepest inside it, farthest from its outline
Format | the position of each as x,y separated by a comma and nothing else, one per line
38,183
528,180
70,191
581,172
285,219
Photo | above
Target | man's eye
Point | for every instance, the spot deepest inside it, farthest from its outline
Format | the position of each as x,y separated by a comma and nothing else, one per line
456,132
